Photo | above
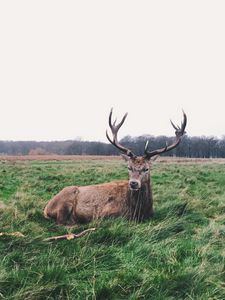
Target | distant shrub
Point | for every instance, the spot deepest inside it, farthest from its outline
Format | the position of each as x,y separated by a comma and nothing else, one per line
38,151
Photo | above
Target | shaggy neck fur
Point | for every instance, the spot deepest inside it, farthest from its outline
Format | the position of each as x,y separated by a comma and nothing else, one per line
140,203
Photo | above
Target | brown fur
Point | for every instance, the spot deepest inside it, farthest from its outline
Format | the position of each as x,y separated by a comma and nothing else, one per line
82,204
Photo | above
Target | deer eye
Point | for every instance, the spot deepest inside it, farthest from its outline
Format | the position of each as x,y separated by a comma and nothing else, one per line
129,168
146,169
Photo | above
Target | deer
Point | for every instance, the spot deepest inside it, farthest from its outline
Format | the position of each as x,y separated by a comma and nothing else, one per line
130,198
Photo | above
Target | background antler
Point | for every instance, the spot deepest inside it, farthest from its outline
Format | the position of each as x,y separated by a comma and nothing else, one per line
115,128
179,132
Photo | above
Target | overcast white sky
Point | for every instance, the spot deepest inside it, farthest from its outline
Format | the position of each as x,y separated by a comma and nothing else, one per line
64,64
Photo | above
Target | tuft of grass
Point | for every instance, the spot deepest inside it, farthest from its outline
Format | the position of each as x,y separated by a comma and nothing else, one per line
178,254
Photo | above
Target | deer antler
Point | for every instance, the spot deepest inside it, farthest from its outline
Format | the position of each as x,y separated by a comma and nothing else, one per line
115,128
179,132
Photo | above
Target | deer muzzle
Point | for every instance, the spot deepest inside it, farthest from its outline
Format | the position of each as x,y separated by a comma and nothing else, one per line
134,184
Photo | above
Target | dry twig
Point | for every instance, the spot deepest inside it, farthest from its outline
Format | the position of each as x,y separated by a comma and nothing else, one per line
69,236
17,234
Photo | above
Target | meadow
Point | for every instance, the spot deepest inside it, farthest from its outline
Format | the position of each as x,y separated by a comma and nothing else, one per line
179,254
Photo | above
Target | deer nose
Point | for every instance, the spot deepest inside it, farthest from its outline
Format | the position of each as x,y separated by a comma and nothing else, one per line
134,185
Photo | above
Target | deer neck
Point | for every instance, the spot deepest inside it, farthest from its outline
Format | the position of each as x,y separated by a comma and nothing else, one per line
140,202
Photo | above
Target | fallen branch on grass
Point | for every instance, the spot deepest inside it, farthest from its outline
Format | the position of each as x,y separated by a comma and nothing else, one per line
69,236
17,234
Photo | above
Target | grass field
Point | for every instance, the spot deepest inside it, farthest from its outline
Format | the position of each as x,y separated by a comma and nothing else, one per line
179,254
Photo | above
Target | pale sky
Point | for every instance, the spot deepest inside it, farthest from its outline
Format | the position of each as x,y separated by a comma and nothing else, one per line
64,64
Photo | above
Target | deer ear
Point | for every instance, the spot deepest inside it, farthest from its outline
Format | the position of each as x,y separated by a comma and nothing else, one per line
125,157
154,158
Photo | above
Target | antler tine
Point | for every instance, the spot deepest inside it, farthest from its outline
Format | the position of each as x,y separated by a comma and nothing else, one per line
146,145
174,126
184,123
179,132
115,128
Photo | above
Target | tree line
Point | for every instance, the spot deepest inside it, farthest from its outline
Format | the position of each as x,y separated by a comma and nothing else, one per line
199,147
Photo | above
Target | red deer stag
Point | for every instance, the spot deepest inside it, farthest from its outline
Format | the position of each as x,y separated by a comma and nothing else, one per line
130,198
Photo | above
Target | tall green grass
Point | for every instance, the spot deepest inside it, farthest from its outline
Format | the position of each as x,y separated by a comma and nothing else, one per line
179,254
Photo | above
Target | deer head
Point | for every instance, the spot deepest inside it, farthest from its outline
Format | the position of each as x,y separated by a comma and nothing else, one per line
139,166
